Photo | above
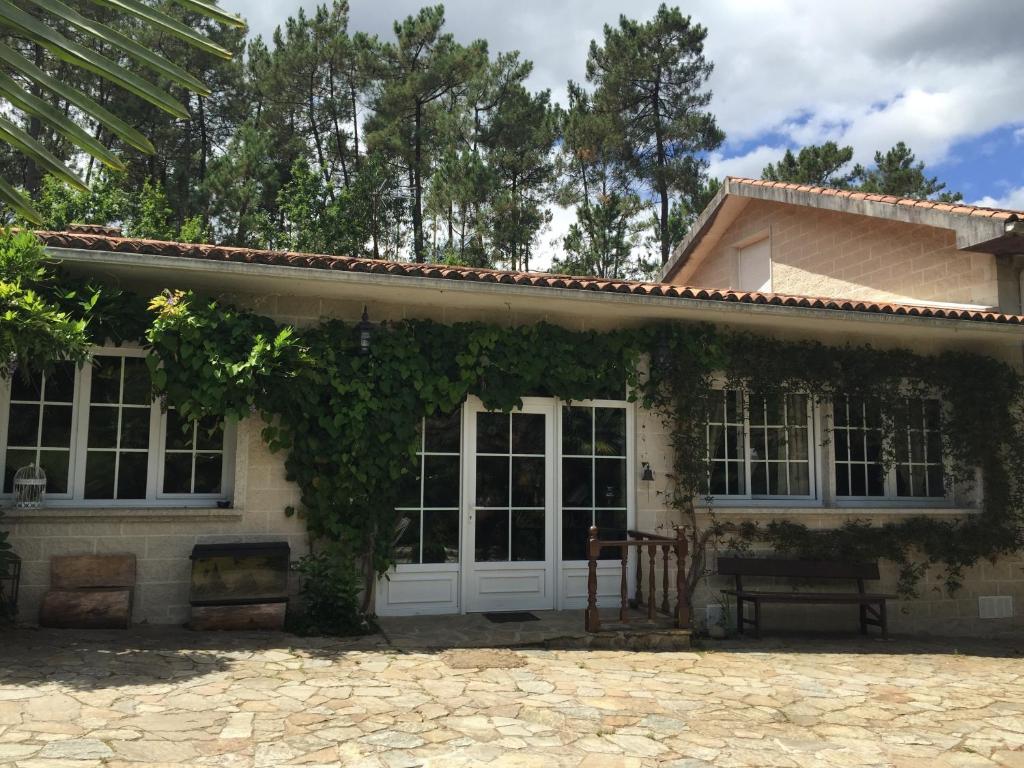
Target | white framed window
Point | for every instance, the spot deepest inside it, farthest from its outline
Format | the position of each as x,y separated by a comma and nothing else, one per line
761,446
103,440
754,266
429,505
594,471
860,444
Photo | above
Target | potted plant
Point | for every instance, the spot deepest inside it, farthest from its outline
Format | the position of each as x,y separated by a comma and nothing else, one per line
10,576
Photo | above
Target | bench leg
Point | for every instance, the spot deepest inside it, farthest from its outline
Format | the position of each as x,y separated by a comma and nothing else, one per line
883,618
757,619
739,615
863,619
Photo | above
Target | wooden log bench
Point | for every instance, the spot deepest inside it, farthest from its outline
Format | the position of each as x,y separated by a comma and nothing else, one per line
89,592
871,605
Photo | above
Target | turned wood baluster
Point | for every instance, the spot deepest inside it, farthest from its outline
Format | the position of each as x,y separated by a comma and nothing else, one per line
639,598
592,620
664,579
652,553
682,602
624,586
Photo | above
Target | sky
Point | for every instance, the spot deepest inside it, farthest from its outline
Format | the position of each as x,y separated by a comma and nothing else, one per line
945,76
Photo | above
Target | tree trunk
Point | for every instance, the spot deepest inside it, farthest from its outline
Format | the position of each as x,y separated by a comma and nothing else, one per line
355,124
417,191
660,178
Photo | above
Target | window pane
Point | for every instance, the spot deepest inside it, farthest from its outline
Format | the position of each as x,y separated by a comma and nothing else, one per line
131,476
407,547
843,480
137,389
797,444
209,471
575,532
409,488
799,480
528,534
577,483
759,479
612,525
528,432
178,473
56,426
492,481
492,433
103,427
99,475
876,480
210,434
610,431
577,430
491,543
441,481
55,464
179,432
528,481
15,461
23,428
441,536
442,435
610,482
26,387
60,384
134,427
106,380
936,484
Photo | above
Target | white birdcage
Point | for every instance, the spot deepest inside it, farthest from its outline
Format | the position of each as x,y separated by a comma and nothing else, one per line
29,487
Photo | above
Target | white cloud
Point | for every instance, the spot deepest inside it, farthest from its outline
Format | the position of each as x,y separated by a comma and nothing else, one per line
867,74
1018,135
750,164
1013,199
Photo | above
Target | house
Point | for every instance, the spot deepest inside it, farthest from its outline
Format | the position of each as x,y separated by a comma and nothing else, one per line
783,260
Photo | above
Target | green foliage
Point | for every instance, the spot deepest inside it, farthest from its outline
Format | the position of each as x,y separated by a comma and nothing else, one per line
651,77
898,172
34,331
331,582
818,165
982,429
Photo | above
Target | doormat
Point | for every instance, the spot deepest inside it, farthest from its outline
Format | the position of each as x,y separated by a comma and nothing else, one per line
509,617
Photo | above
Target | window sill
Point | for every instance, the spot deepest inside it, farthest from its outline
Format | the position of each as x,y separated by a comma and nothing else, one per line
908,510
71,514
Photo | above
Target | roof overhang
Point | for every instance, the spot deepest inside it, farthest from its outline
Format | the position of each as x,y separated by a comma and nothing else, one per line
395,296
985,234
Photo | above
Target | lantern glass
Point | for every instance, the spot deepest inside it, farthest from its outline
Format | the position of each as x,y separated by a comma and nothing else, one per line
364,333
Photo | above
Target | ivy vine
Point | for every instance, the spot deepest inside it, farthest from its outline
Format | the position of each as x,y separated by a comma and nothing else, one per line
347,423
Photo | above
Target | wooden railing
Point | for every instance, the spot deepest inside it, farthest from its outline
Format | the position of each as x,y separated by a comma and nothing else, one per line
670,546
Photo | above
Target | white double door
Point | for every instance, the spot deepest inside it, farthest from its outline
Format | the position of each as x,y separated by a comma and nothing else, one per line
509,508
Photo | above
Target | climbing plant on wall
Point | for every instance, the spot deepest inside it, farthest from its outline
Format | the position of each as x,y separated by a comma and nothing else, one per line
346,424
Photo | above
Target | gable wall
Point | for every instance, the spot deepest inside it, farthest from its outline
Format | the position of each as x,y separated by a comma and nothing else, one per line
826,253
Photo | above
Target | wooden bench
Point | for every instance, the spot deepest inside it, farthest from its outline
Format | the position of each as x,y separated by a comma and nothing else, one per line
872,605
89,592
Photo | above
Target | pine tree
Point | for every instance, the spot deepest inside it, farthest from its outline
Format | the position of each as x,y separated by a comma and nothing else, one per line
650,77
817,165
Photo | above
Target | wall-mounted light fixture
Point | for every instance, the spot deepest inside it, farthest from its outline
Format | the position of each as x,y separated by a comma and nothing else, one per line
647,474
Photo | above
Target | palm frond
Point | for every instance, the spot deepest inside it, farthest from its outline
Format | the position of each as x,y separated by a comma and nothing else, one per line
42,32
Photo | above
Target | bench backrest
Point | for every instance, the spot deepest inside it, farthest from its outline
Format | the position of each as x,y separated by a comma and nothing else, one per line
796,569
92,571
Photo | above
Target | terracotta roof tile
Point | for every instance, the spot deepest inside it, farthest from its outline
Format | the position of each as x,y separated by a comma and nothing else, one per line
956,208
99,242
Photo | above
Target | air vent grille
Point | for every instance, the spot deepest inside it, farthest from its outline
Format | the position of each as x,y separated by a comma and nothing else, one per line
995,607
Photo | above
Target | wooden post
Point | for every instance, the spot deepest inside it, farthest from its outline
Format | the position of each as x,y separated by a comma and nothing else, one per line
592,620
664,579
624,586
682,601
638,599
652,553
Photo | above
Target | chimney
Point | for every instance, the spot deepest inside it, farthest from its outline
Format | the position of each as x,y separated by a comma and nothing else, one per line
79,228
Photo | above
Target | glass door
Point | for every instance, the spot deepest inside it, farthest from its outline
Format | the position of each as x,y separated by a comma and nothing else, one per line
508,542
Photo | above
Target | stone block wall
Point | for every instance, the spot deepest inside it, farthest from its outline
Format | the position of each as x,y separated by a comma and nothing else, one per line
817,252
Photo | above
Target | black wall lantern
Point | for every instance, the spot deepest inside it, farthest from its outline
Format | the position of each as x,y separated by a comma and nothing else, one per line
648,474
364,333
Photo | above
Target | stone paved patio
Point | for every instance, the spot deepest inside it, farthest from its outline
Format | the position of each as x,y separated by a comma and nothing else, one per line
169,697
